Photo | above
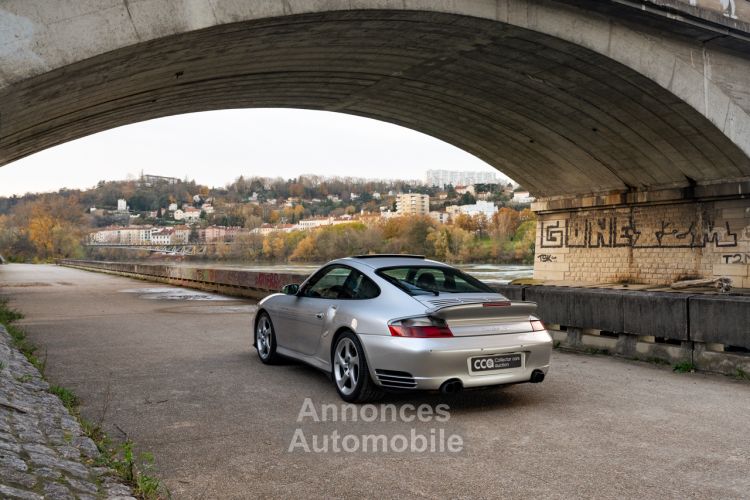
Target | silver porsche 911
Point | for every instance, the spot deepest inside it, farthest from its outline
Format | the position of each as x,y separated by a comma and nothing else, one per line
382,322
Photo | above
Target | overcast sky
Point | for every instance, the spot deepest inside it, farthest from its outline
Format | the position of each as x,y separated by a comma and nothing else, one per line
216,147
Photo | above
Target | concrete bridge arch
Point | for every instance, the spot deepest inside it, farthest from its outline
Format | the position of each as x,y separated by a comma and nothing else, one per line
566,99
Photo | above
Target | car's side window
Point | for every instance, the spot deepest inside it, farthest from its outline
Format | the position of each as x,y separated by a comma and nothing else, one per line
339,282
329,285
364,287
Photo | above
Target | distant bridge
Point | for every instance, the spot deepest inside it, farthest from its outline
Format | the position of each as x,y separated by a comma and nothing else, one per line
181,249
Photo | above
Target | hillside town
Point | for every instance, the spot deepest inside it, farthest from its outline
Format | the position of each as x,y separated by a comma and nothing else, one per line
454,216
190,223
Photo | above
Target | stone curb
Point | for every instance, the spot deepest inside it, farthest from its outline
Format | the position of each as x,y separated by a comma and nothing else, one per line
43,450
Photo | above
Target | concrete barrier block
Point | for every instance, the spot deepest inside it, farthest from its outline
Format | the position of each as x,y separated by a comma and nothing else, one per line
578,307
720,362
664,352
658,314
600,343
720,319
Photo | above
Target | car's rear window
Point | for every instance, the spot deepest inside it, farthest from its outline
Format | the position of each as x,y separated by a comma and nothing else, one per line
428,280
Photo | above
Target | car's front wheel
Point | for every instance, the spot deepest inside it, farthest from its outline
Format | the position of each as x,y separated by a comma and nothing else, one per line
265,339
350,372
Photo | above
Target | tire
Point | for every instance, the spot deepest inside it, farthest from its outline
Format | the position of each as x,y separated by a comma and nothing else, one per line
265,339
351,375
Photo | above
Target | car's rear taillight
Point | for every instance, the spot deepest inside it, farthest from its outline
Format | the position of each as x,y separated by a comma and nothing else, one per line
537,325
420,328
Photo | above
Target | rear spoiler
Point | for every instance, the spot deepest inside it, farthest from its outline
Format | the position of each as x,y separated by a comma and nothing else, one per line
494,309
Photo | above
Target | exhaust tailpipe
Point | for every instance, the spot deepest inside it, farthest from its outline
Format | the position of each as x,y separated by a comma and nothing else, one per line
537,376
451,386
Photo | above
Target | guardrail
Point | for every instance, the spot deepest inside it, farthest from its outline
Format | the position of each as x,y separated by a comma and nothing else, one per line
709,331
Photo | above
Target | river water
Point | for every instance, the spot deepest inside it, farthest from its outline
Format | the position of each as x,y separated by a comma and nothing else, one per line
489,273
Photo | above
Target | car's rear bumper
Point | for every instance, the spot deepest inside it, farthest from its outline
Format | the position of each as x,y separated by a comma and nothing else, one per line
431,362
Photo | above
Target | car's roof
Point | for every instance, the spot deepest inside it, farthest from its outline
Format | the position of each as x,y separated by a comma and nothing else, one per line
380,261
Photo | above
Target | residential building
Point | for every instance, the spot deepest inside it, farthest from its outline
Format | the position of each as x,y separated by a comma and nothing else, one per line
150,180
268,228
189,214
122,205
412,204
453,210
213,234
522,197
181,235
162,236
466,189
486,208
441,217
103,236
313,223
442,178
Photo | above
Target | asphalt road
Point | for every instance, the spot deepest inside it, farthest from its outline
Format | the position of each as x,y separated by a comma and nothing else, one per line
179,376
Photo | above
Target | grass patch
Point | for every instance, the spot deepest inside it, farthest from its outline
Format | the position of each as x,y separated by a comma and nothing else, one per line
657,361
136,471
741,374
69,399
684,367
594,351
7,317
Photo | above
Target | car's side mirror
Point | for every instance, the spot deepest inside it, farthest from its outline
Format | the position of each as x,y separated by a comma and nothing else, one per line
290,289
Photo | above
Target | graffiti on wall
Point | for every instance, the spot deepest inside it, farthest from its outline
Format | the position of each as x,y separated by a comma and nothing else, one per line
624,231
735,258
268,281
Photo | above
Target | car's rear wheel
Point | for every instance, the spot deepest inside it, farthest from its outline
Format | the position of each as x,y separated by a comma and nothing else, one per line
350,372
265,339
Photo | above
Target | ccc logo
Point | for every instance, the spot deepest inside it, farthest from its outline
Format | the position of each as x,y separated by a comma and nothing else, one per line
484,364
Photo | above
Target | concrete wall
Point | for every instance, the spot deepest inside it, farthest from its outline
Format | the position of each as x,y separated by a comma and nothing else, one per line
236,282
652,243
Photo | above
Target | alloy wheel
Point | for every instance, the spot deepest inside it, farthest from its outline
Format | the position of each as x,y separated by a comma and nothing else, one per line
346,366
263,337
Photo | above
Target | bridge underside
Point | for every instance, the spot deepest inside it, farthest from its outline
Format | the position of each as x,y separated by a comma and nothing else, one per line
557,117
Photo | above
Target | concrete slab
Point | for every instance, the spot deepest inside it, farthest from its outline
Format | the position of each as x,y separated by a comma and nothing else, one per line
720,319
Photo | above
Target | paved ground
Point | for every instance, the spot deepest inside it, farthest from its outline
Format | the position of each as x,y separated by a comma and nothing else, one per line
180,378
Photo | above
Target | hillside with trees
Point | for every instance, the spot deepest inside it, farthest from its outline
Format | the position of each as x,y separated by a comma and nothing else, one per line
42,227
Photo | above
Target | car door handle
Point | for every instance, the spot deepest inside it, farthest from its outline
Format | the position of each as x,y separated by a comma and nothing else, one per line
319,315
